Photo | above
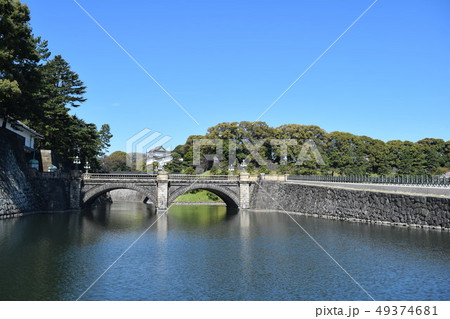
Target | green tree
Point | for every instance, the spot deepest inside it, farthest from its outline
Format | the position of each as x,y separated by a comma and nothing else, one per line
116,162
214,171
41,92
105,138
19,58
223,168
155,167
447,154
67,135
176,165
301,134
263,169
345,154
406,157
250,168
376,154
83,140
284,169
60,89
434,152
189,170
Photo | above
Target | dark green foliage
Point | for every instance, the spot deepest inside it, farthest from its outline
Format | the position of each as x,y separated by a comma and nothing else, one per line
116,162
189,170
342,153
212,196
263,169
447,154
434,151
40,92
105,138
19,58
67,135
407,158
176,165
214,171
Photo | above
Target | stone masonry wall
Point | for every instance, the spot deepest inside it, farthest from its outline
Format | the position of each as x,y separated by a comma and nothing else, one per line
355,205
52,194
16,192
126,195
22,192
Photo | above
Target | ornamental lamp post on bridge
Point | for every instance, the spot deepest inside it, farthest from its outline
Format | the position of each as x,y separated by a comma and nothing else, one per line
77,162
244,166
87,167
231,169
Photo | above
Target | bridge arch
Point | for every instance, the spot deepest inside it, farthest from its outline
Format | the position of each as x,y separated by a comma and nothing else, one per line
97,191
230,198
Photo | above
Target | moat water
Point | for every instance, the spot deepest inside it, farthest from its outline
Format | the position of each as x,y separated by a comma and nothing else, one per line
205,253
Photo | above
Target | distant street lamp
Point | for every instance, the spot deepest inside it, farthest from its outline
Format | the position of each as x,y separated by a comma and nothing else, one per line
244,165
87,167
77,162
231,169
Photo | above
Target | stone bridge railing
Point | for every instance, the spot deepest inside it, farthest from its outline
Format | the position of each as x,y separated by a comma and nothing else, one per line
173,177
426,181
183,177
119,176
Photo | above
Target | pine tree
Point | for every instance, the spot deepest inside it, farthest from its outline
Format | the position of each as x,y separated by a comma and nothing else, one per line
19,58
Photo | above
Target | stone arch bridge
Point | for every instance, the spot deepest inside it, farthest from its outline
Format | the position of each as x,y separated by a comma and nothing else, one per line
360,199
162,189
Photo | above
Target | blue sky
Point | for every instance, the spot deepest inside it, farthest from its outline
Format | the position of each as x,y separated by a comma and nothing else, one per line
388,77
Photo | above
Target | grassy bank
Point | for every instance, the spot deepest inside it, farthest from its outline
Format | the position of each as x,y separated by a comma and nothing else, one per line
198,196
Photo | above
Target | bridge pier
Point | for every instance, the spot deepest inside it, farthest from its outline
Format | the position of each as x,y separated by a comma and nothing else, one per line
244,190
75,190
162,181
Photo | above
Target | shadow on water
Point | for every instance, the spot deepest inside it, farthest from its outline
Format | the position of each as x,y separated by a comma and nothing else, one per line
119,215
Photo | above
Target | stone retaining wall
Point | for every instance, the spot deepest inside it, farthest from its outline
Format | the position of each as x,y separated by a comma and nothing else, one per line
16,192
22,192
353,205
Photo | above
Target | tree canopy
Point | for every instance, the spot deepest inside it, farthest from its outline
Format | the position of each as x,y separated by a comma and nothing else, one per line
342,153
19,59
41,91
115,162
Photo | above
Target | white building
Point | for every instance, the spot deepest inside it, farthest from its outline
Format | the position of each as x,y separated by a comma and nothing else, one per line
28,134
160,155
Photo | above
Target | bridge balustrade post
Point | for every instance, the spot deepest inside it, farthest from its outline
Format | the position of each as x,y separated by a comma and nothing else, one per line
162,181
244,190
